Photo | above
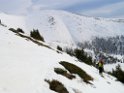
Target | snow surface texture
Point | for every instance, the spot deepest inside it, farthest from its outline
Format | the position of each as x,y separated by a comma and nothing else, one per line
24,66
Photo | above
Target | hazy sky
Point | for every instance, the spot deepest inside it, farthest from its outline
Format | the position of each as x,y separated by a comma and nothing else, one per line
103,8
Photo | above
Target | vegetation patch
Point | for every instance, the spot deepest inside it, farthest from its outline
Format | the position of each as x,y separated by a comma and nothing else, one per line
69,51
29,38
59,48
118,73
76,70
19,30
36,35
57,86
64,73
80,55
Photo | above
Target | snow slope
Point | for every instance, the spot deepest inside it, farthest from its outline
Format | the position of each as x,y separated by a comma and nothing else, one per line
109,67
64,27
24,66
72,27
13,21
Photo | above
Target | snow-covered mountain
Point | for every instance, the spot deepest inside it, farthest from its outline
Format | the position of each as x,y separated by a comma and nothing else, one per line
71,27
65,27
24,67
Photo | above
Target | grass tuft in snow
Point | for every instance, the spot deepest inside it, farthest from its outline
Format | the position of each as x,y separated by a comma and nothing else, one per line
57,86
76,70
64,73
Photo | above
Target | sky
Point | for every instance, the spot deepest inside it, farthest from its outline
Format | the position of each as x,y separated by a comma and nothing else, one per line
98,8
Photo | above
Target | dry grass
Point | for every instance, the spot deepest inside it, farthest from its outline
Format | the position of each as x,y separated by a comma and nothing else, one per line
76,70
64,73
57,86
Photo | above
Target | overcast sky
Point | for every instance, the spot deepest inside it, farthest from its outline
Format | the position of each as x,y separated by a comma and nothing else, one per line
103,8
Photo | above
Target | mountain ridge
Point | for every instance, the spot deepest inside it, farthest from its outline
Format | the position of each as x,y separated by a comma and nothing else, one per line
65,27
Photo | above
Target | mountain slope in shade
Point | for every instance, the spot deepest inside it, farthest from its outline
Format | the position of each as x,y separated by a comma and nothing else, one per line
24,66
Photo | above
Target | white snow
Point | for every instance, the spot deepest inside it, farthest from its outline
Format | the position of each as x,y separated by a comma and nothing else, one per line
64,27
76,28
113,66
24,66
13,21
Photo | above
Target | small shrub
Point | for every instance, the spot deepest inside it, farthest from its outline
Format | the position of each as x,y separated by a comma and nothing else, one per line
59,48
76,70
57,86
13,30
82,56
16,31
118,73
20,30
36,35
69,51
64,73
